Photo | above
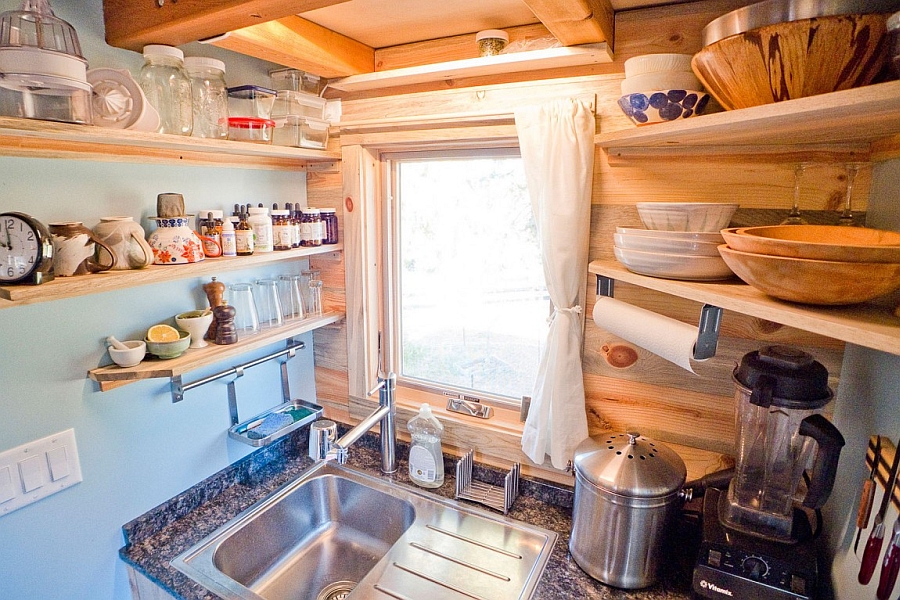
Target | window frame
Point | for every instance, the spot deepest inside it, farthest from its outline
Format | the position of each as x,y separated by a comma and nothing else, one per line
390,283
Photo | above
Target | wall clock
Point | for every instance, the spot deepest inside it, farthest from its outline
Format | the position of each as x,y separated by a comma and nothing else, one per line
26,251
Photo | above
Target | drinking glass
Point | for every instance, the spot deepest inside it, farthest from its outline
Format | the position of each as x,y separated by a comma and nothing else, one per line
269,304
794,217
246,319
847,214
291,296
311,287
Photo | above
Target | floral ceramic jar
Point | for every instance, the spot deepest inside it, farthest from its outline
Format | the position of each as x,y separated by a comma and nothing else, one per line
174,242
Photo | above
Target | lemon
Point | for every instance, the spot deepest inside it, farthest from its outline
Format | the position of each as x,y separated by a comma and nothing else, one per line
163,333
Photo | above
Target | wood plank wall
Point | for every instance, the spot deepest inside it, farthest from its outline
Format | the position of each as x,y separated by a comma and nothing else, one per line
653,396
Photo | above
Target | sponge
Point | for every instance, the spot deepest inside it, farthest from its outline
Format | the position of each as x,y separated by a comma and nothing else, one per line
270,425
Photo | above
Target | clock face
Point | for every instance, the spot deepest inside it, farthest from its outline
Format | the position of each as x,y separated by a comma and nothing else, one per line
23,247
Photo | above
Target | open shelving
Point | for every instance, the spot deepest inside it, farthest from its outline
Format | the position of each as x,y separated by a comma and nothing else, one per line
66,287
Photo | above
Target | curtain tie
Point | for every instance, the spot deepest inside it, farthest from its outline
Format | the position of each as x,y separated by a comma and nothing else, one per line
573,309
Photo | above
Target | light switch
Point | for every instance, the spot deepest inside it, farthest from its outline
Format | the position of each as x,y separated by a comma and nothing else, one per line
7,486
30,472
37,469
58,460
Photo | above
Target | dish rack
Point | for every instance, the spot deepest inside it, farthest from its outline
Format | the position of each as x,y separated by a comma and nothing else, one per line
495,497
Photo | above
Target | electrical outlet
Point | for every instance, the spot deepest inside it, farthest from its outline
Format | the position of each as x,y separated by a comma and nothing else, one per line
37,469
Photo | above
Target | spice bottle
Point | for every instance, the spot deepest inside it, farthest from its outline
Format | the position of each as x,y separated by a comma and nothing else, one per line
229,239
311,228
281,230
426,461
168,88
211,233
330,222
296,218
243,237
209,97
261,224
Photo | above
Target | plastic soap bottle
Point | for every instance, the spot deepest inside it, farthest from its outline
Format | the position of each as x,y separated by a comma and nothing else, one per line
426,461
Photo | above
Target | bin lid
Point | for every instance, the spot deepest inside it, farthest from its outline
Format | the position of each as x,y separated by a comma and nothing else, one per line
630,464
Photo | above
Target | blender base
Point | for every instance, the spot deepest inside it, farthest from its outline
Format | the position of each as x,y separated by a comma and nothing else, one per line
735,565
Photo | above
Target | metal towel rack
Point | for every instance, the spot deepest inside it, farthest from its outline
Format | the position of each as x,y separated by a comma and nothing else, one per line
707,328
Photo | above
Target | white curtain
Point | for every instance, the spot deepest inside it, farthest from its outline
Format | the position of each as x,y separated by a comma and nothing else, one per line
557,144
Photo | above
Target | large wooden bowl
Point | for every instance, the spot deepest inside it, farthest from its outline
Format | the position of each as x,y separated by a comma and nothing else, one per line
813,281
792,60
818,242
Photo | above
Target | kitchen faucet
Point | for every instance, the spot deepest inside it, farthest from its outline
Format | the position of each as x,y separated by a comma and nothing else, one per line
322,434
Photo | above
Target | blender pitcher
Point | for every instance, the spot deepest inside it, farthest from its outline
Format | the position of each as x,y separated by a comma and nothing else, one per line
780,394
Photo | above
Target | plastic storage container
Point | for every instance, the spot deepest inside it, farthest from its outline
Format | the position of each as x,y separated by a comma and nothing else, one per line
297,81
209,97
250,101
426,461
298,104
302,132
251,129
168,88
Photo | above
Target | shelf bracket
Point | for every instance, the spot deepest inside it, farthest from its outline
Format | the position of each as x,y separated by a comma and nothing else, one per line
179,387
707,329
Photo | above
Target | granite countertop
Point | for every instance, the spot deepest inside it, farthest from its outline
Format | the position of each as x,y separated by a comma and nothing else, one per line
156,537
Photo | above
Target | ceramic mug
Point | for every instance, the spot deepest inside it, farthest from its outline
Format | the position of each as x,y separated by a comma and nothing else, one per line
74,249
126,239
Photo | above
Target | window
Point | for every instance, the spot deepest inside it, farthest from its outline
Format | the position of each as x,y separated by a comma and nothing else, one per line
469,304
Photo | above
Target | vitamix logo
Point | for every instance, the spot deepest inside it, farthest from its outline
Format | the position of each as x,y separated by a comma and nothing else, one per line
714,588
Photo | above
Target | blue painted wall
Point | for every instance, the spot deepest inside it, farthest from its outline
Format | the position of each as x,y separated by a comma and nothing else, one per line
137,449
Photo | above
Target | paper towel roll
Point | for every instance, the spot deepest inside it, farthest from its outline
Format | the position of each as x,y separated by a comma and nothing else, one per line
666,337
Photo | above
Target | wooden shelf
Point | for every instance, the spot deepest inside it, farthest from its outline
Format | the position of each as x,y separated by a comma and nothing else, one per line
861,120
515,62
45,139
865,325
66,287
113,376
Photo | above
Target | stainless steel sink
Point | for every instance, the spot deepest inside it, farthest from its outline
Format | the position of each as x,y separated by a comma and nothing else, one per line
337,533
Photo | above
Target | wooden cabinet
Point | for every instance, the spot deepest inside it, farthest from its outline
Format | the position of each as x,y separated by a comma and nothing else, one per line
863,122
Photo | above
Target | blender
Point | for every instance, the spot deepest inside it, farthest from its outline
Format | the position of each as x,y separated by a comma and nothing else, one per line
757,538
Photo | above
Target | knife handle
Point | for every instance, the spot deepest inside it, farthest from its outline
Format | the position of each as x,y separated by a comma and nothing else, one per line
870,556
866,500
889,568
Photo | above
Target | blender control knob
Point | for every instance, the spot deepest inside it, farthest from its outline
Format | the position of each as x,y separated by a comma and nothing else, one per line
755,567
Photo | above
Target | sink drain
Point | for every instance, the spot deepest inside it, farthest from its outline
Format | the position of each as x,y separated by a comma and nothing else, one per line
336,591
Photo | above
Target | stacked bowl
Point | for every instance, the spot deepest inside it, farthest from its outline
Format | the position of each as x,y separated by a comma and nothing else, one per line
681,241
661,87
815,264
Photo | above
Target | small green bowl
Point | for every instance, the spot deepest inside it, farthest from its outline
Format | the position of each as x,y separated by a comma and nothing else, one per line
170,349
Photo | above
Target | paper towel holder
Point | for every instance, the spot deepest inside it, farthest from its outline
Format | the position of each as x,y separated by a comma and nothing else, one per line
707,329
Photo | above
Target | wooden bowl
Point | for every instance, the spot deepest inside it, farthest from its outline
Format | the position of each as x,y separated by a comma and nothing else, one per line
813,281
792,60
818,242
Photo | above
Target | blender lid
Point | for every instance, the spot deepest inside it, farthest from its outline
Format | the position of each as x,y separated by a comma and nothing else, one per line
796,378
35,26
631,465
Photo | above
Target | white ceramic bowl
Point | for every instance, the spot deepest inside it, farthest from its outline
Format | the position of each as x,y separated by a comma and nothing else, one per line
195,323
137,349
663,80
686,216
673,266
652,63
668,246
696,236
647,108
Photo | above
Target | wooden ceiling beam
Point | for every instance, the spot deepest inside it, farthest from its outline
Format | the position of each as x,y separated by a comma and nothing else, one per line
131,24
301,44
577,21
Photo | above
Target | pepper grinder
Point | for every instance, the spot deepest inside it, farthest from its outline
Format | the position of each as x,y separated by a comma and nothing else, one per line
226,332
215,292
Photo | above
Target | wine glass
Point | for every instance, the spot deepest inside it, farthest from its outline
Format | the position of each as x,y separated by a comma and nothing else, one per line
847,214
794,217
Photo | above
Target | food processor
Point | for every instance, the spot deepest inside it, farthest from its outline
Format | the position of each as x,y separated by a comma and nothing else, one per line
42,72
757,538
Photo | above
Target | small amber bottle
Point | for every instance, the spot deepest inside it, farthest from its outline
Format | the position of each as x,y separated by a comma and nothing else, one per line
243,237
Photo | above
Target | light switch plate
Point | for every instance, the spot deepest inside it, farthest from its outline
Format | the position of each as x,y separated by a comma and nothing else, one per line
37,469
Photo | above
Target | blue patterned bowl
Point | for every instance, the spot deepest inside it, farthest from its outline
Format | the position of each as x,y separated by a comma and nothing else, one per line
644,108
